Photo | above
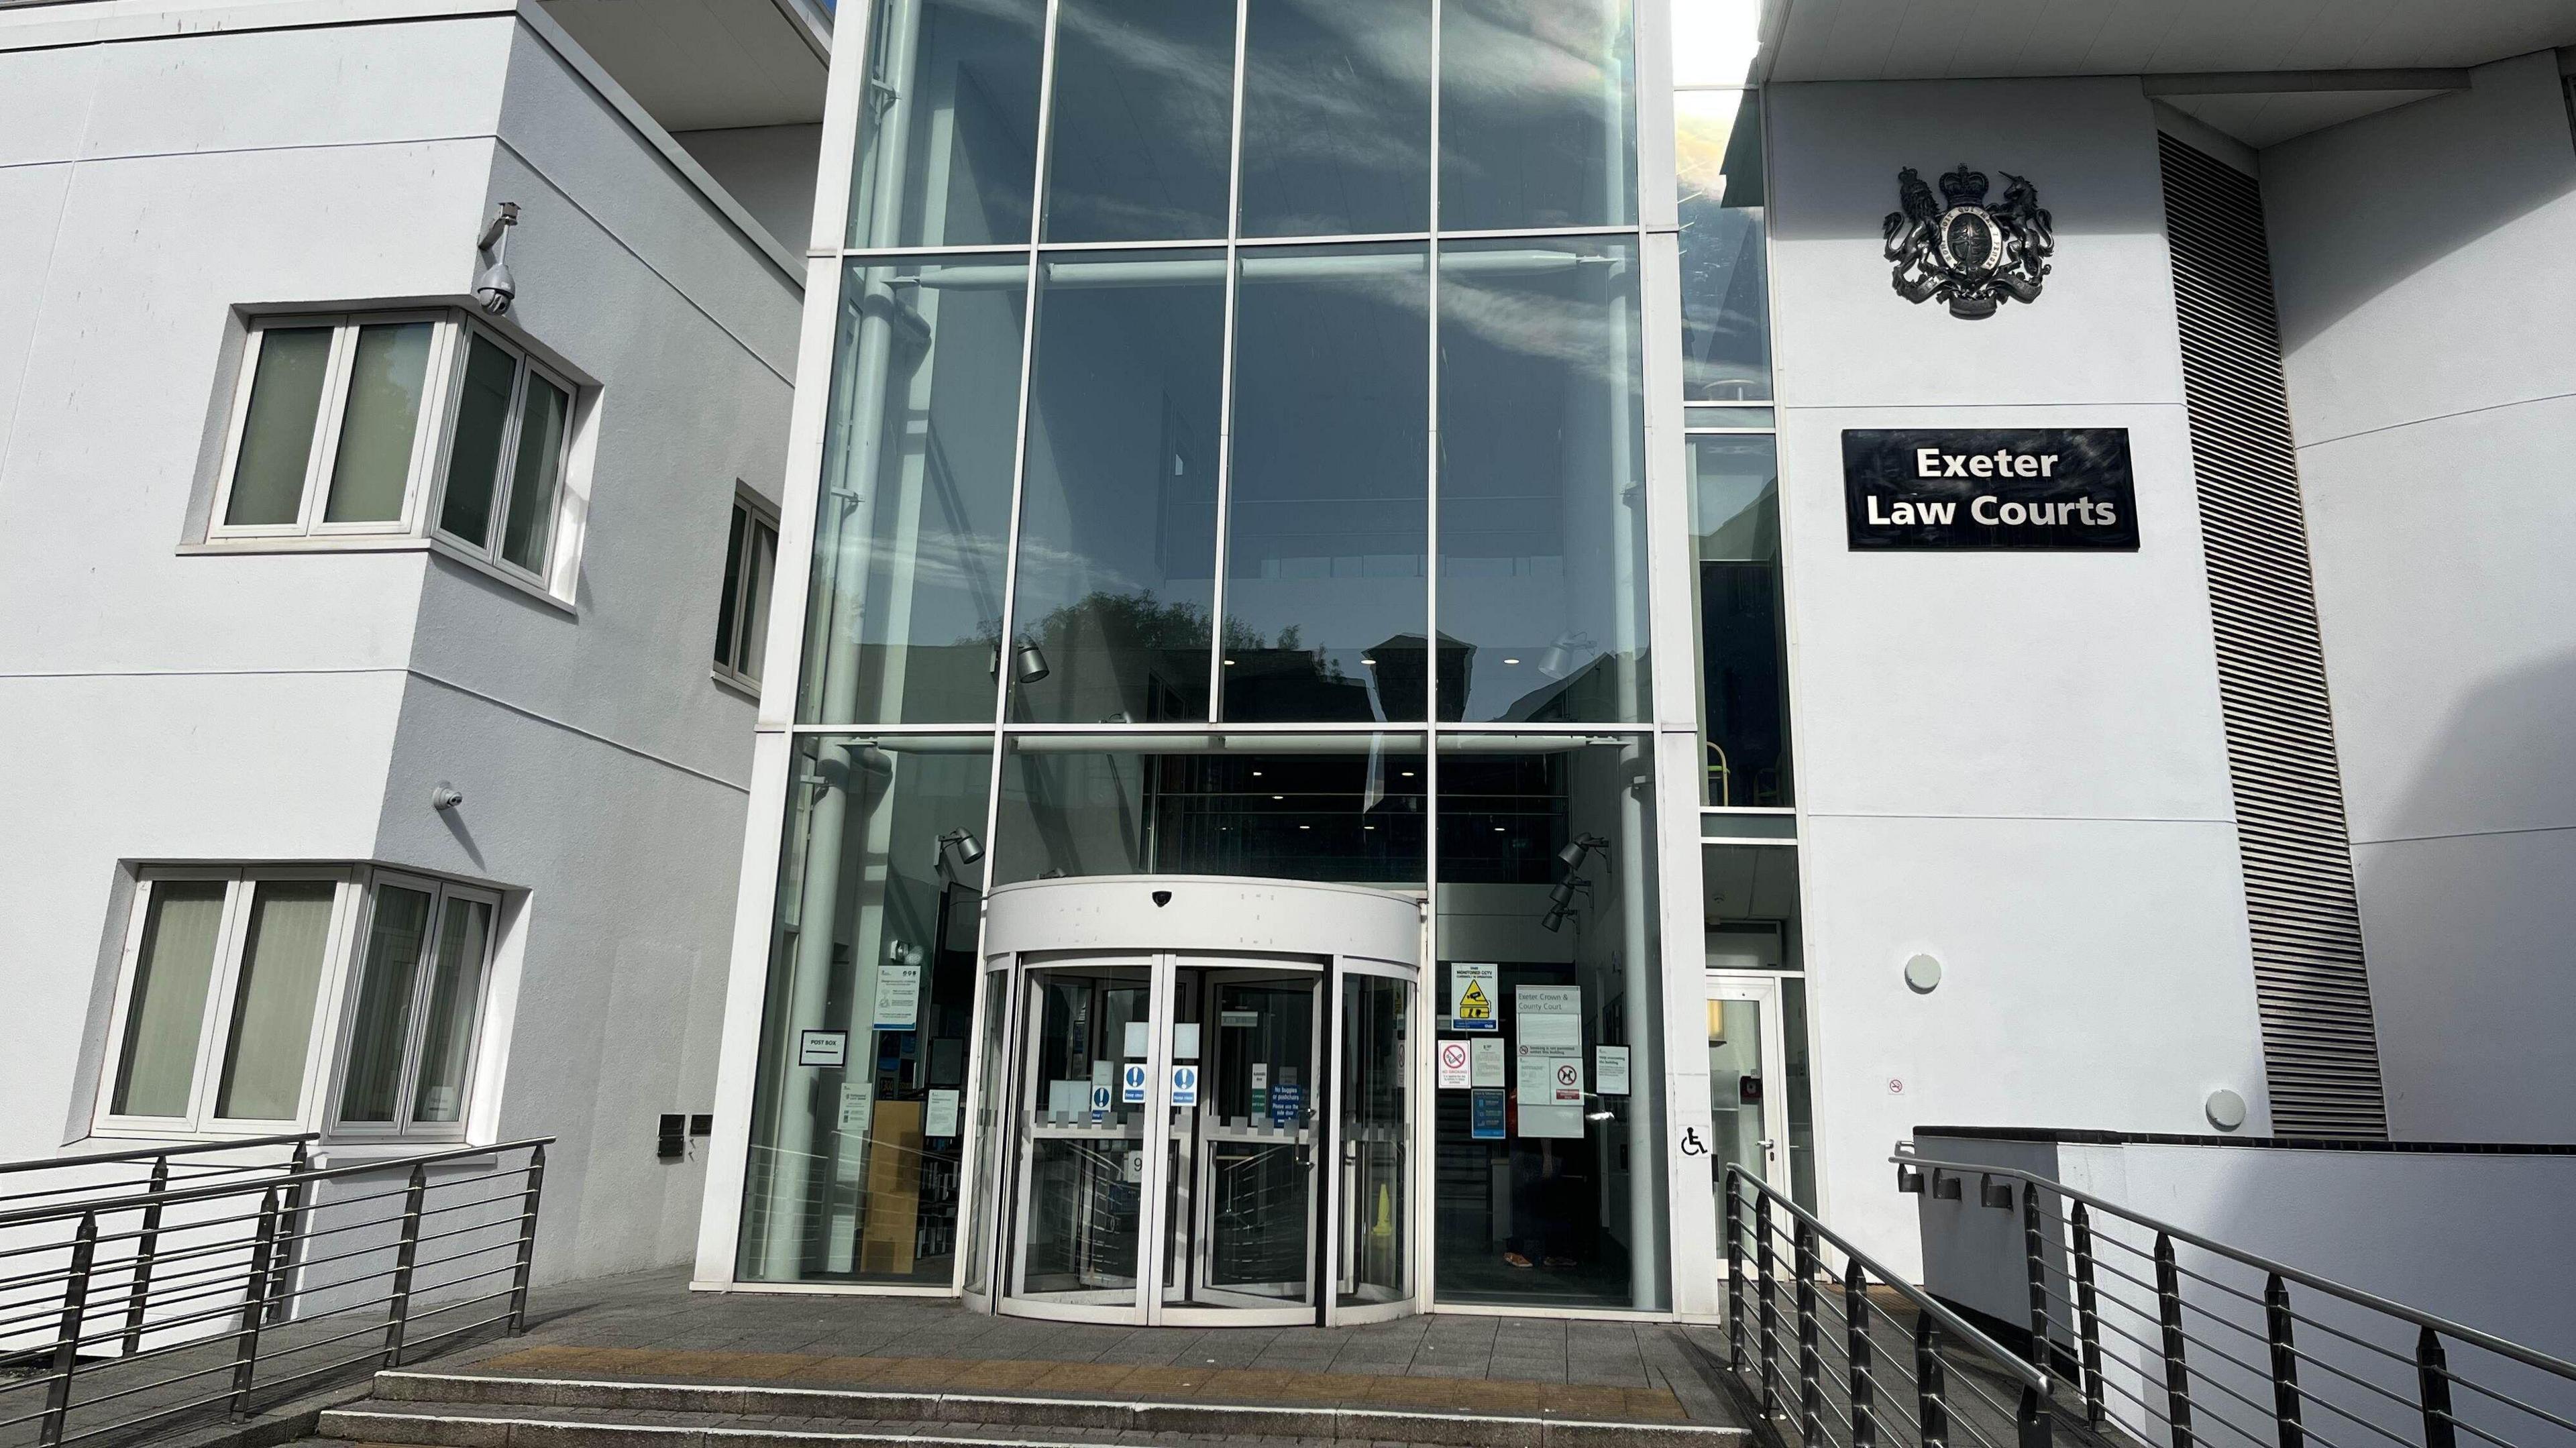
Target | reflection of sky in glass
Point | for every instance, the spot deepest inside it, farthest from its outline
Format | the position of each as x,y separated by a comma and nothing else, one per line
1714,40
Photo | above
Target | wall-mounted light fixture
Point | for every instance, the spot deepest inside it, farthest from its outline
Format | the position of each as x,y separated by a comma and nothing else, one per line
959,846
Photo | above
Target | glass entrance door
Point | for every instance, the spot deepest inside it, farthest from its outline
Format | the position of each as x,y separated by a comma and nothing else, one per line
1748,1098
1170,1124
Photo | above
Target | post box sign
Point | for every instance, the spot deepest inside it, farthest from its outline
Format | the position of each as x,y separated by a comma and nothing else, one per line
1986,488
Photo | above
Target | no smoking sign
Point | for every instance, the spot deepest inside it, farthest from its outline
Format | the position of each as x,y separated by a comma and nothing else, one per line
1453,1065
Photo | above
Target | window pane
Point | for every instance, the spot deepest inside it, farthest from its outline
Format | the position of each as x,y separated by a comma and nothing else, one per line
1542,483
1144,119
948,144
277,435
1337,807
758,569
1726,320
455,999
1744,674
726,600
1575,1190
879,891
1536,122
1328,526
381,1029
281,973
912,525
474,459
377,428
528,536
1118,520
1336,117
167,1014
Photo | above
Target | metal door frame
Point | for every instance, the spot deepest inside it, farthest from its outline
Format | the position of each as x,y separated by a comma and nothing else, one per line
1763,988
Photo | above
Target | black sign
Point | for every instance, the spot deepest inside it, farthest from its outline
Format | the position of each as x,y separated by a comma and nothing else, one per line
1990,487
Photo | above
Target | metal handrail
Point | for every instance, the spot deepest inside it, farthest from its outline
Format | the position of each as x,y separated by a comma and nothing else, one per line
1951,1322
1791,1383
2359,1297
262,1276
147,1153
72,1210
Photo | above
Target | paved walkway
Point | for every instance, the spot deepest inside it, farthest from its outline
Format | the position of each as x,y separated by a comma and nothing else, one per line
650,1327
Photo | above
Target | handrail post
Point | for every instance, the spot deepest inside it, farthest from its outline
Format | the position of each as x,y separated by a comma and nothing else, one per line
147,1245
281,1262
2285,1363
2035,1269
1931,1408
58,1397
527,1239
2088,1316
1856,1348
398,1312
1766,1340
2031,1419
1733,1227
254,1305
2433,1383
1811,1359
2169,1313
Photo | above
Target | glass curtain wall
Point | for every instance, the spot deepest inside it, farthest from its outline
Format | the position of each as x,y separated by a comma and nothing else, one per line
1213,462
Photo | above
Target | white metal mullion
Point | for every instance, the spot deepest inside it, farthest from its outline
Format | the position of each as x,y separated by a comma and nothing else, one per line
324,454
1225,374
1426,1129
427,440
416,1026
1005,668
215,1028
253,343
505,464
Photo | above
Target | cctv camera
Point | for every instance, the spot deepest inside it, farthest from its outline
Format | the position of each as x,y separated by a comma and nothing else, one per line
495,288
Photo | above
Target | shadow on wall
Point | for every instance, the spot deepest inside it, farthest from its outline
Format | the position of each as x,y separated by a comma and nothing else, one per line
2505,758
2053,132
2350,221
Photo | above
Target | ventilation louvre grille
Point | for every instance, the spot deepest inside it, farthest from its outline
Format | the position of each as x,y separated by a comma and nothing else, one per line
2321,1052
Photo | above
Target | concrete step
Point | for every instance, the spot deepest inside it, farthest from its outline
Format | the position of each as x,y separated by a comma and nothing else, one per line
461,1410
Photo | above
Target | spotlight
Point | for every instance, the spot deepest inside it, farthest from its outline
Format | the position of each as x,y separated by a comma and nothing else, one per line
961,844
1555,920
1575,853
1030,664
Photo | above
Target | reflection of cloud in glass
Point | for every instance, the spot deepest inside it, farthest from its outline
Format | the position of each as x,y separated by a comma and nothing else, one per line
1193,100
1507,50
1340,106
1567,331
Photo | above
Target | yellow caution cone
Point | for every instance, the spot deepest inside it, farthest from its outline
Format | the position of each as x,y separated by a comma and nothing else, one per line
1385,1225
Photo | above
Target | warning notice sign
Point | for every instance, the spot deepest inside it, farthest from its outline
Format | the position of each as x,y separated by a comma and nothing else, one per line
1471,996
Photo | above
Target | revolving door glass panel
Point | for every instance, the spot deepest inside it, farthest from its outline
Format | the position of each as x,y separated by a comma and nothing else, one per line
1082,1146
1242,1183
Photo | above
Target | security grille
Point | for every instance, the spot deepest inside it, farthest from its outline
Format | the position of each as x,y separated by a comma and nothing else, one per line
2321,1052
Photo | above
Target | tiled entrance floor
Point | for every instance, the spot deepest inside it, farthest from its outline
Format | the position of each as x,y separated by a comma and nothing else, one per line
651,1327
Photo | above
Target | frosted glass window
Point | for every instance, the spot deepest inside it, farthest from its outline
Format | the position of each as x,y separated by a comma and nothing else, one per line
277,431
157,1064
381,1028
381,422
286,942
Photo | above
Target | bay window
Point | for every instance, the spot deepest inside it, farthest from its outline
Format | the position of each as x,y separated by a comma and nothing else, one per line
244,992
398,424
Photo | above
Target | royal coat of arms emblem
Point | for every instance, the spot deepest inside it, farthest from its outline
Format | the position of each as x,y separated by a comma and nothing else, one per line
1961,250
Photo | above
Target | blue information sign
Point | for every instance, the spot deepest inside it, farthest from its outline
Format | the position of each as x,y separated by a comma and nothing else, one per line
1485,1109
1286,1104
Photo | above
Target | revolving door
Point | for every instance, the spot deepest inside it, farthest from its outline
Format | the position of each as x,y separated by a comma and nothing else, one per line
1195,1137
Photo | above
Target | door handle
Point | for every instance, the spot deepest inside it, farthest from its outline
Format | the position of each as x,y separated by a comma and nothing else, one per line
1770,1149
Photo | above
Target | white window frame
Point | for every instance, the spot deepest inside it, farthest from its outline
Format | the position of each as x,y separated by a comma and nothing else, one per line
213,1029
427,435
761,514
416,1020
505,479
334,1008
